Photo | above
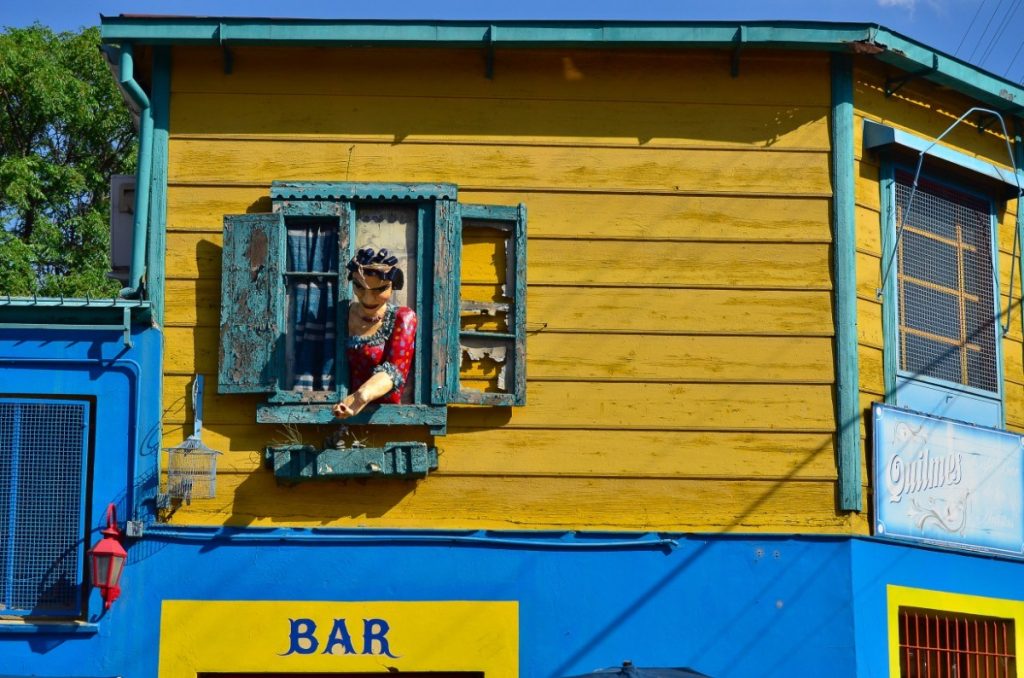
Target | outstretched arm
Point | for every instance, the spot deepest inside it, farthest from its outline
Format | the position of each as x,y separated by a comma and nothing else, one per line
378,385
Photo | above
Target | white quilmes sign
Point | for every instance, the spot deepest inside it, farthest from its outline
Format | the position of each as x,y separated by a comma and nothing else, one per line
948,483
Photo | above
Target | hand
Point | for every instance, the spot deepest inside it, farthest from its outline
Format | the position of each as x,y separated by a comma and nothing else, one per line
352,405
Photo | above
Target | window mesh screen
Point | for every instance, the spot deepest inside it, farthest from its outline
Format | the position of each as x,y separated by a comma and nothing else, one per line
936,644
42,453
947,310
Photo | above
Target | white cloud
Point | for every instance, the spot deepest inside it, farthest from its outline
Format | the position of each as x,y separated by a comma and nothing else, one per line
905,4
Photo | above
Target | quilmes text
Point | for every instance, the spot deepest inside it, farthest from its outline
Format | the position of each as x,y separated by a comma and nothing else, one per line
923,472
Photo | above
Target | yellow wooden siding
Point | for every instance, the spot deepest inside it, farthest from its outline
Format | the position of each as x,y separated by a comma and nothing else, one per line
679,301
529,502
926,111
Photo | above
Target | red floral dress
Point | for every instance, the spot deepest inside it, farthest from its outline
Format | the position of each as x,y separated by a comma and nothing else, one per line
390,349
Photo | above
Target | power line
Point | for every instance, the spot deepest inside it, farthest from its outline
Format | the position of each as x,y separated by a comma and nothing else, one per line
1014,59
985,32
970,26
1010,12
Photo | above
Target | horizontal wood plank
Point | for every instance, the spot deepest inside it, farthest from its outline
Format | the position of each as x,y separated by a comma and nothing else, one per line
566,262
697,76
589,405
466,502
515,167
608,357
927,111
595,310
457,120
578,216
709,455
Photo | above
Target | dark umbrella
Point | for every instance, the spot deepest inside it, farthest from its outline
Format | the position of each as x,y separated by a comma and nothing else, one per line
627,670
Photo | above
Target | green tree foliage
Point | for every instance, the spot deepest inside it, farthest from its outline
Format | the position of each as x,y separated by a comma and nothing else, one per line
63,131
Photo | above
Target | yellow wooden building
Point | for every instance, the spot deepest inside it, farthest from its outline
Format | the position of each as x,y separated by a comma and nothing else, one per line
721,272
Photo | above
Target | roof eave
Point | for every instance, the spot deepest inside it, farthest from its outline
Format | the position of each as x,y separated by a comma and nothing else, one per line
876,41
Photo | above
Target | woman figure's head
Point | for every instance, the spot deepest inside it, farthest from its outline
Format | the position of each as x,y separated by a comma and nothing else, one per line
374,276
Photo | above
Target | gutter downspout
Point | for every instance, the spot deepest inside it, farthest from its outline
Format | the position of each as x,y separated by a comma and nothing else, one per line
143,171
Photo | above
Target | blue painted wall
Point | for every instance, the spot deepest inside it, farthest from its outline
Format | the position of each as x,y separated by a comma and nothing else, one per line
877,563
123,384
728,607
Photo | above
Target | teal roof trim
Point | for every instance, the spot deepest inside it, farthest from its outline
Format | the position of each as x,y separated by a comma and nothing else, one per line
870,39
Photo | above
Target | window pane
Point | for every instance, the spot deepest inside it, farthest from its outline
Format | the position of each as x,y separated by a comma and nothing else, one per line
394,228
945,279
934,260
932,311
312,247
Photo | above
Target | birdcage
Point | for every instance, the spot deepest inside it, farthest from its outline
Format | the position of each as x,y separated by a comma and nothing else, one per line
191,471
192,466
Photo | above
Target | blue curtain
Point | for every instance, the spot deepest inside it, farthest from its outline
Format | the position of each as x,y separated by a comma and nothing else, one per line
312,302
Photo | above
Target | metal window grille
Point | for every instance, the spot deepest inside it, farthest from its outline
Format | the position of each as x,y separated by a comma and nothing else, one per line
43,446
947,317
938,644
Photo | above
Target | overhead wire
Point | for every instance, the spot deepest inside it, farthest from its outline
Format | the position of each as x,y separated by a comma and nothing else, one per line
970,26
1014,59
1010,12
981,38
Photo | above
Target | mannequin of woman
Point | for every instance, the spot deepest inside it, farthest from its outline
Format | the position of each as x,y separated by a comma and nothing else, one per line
381,337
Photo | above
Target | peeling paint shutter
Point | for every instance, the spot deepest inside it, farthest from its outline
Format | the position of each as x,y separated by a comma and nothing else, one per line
252,303
486,306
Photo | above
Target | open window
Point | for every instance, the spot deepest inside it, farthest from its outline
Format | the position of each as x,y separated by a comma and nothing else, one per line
947,339
940,290
285,299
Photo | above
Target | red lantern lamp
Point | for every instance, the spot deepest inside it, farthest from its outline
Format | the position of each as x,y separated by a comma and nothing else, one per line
107,560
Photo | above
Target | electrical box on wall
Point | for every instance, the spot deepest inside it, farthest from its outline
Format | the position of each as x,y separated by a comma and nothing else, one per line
122,217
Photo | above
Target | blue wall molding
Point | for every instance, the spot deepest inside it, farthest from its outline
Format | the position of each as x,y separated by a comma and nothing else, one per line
543,540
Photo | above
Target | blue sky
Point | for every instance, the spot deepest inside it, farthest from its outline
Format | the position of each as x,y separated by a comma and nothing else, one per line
989,33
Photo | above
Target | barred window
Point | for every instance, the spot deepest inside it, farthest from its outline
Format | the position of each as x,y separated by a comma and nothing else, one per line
947,315
43,445
936,643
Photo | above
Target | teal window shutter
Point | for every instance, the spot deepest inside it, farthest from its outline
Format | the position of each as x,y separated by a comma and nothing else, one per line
486,340
252,303
444,350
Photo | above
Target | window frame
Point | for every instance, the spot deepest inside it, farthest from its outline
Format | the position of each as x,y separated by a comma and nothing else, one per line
897,597
904,388
341,200
81,585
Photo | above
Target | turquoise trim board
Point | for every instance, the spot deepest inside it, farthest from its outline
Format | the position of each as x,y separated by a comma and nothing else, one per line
1018,151
887,292
844,241
878,136
868,39
157,239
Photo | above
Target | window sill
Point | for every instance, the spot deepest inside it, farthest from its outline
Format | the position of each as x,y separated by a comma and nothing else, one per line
56,628
434,416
